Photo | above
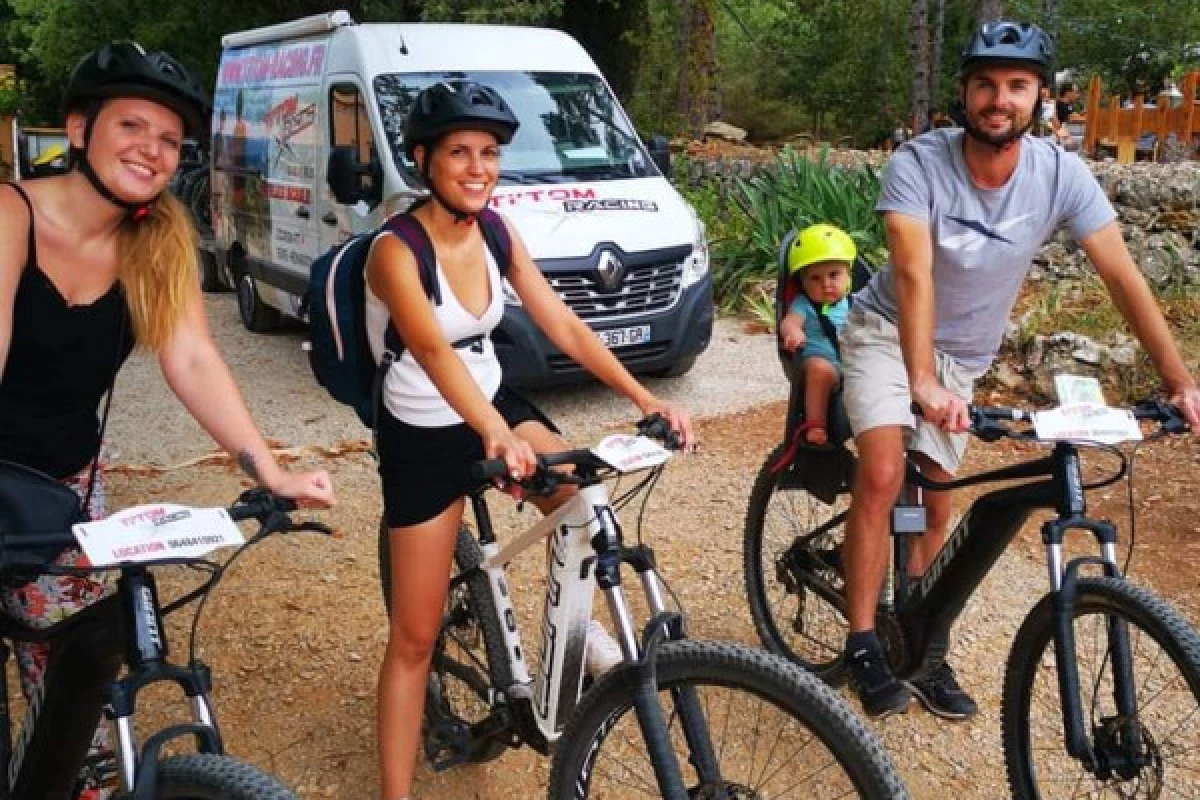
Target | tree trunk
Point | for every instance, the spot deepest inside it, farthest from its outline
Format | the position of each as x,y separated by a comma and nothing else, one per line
935,57
1050,16
919,50
699,90
990,10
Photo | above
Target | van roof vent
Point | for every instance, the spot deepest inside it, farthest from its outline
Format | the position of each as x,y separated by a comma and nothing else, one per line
305,26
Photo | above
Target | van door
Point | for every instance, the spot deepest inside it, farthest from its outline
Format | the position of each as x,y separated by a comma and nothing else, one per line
353,151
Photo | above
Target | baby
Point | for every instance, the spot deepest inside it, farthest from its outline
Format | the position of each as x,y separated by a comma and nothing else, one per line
820,260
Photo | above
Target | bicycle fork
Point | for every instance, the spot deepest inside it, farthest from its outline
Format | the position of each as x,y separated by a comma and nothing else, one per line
1119,750
146,656
640,673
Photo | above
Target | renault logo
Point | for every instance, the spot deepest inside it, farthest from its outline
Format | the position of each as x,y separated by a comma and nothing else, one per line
610,271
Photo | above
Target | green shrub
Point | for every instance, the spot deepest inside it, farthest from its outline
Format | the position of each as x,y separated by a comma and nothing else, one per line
748,222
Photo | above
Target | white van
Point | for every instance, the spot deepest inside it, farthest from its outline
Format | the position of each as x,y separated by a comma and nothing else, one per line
307,149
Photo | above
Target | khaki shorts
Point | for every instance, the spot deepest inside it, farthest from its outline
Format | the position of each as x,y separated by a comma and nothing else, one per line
876,390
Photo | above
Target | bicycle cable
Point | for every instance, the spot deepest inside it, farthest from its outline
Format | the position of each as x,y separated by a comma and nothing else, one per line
217,575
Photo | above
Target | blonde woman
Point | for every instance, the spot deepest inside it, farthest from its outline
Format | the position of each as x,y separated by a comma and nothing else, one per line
92,263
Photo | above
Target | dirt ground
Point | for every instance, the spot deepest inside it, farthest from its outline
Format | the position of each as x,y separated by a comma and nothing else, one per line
296,632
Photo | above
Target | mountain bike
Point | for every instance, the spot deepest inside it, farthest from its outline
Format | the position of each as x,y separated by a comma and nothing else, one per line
126,628
1102,686
678,718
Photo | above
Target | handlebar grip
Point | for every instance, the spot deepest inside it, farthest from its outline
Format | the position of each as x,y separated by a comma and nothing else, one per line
258,504
656,426
489,470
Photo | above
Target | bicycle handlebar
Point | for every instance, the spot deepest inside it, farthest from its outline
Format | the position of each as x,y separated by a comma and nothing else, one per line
269,510
545,480
990,423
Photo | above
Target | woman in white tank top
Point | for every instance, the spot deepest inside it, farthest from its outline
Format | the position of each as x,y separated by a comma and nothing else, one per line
445,406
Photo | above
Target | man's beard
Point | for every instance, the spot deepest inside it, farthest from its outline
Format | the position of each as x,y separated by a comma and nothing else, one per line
998,141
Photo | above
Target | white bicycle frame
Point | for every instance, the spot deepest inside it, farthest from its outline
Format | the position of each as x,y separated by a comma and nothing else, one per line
572,528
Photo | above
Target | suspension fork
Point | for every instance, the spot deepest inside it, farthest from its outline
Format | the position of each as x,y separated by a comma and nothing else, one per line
667,626
1064,584
638,672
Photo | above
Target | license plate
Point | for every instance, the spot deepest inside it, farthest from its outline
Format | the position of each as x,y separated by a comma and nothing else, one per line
623,337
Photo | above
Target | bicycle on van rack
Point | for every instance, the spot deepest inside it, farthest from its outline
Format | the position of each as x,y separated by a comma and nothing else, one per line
87,651
1102,686
678,718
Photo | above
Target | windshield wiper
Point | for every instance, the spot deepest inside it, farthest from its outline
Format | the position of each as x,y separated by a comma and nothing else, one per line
516,176
610,171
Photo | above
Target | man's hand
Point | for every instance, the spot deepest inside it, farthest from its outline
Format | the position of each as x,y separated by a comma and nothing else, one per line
940,406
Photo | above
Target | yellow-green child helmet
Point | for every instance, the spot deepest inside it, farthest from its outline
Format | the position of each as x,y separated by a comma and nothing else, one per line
817,243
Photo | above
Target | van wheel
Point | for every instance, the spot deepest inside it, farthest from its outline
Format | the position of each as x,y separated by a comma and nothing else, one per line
256,315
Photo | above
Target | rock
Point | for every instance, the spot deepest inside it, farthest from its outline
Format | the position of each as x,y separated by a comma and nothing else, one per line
723,130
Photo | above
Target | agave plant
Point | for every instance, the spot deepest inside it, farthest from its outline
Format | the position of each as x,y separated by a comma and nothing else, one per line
792,193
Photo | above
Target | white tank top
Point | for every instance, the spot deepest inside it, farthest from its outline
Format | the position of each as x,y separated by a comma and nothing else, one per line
408,393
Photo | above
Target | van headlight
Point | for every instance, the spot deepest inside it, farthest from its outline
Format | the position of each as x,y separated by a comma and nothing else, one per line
695,266
511,298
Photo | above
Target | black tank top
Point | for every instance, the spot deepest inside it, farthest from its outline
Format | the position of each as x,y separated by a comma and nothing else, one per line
61,361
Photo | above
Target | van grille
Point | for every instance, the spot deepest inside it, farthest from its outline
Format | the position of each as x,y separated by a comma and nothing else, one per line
646,289
633,357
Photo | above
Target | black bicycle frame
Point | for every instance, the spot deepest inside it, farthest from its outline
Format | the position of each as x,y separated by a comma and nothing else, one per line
927,607
86,654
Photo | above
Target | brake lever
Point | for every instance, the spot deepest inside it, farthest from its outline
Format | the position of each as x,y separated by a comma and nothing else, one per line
312,526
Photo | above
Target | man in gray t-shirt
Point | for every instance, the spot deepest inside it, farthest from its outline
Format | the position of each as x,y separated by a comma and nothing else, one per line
965,212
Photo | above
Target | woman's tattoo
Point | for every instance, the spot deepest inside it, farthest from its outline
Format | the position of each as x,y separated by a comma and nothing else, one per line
246,462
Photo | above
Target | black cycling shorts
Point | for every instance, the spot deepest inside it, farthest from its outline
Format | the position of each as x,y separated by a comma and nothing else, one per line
424,470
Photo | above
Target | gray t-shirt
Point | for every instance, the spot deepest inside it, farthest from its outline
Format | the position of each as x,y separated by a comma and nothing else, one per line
984,240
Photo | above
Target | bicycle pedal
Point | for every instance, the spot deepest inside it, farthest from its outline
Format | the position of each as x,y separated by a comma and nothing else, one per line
447,744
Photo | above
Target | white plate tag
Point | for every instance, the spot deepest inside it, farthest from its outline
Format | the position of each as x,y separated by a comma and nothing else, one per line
155,533
1085,421
626,453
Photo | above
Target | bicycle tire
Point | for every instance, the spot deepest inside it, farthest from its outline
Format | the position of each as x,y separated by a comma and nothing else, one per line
205,776
776,518
469,658
764,685
1174,706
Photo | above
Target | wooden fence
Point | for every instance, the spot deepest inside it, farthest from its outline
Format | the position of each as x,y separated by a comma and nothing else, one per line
1108,125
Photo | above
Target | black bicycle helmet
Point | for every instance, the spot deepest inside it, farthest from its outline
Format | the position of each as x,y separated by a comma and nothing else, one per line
125,69
462,105
1008,44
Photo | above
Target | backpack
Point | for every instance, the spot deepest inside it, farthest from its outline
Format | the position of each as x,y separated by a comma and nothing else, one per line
335,304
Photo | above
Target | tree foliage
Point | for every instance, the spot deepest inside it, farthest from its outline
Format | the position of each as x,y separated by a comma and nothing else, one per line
775,67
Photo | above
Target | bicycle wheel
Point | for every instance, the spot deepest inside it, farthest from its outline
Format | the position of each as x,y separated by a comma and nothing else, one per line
204,776
1161,758
459,694
792,561
775,729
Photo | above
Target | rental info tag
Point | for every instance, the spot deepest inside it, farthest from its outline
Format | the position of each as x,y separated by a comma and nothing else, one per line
156,533
626,453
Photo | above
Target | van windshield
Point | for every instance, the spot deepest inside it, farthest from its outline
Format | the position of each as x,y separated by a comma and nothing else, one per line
571,127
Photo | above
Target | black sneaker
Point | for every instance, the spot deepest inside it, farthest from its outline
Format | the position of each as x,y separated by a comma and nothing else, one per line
878,690
941,694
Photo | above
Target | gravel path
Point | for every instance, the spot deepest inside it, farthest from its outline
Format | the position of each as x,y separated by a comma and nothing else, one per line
296,632
274,375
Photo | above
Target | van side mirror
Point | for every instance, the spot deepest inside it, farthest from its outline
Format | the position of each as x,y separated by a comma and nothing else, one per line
660,154
342,175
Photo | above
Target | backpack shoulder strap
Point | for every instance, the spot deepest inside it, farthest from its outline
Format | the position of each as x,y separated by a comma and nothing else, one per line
413,234
31,251
498,239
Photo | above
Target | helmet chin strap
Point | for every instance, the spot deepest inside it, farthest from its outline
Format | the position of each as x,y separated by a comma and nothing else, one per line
135,212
